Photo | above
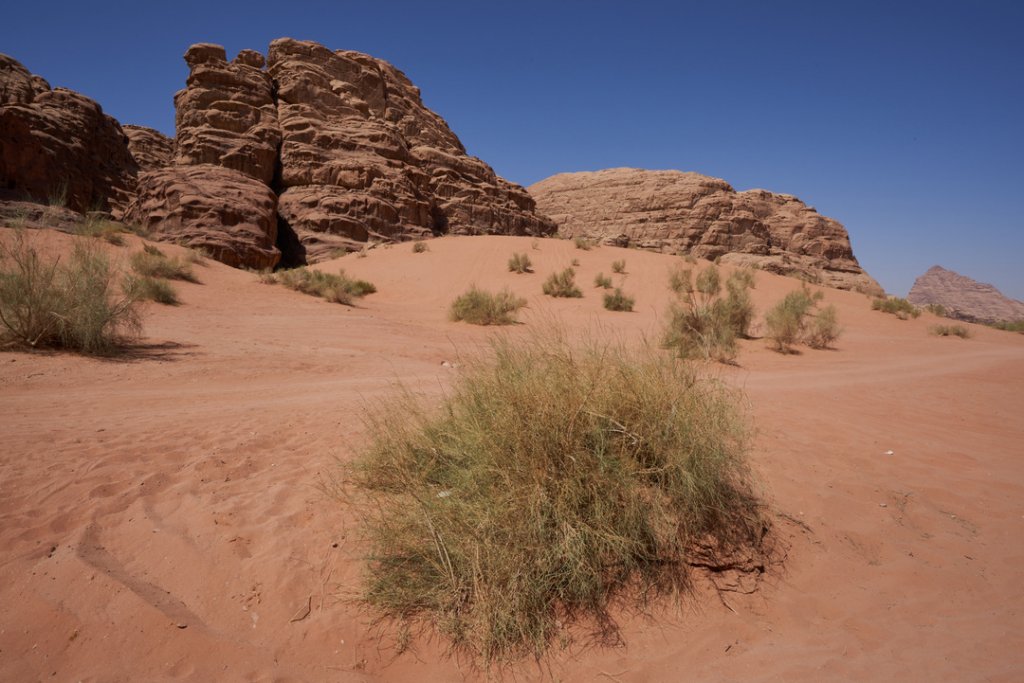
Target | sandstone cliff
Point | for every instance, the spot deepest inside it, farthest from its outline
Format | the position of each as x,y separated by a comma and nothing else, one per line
58,146
679,212
964,298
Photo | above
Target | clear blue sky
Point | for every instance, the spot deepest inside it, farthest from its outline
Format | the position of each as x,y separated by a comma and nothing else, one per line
903,121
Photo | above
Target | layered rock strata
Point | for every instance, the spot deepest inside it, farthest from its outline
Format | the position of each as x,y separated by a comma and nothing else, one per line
680,212
964,298
58,146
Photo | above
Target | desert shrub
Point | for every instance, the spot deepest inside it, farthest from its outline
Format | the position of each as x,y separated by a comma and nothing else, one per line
151,262
823,328
562,284
575,263
603,281
110,231
1009,325
337,288
619,267
950,331
479,307
936,309
901,308
520,263
76,305
617,301
703,324
788,321
552,480
582,243
146,288
419,246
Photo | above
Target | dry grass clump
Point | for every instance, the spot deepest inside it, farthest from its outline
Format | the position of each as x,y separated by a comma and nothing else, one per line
1009,325
901,308
337,288
619,267
156,289
108,230
552,479
151,262
796,319
617,301
520,263
419,246
936,309
75,305
603,281
562,284
702,323
480,307
950,331
583,243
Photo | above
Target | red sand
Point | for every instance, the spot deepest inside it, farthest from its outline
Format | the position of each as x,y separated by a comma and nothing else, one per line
161,516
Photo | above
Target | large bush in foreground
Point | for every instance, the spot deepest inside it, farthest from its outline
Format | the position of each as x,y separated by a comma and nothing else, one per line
551,479
78,304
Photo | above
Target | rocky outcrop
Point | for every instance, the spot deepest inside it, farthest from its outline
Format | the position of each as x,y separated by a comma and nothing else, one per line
344,144
58,146
363,159
680,212
150,148
228,214
964,298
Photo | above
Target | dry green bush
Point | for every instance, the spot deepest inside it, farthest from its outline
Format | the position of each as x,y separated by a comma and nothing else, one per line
796,319
603,281
901,308
419,246
950,331
480,307
619,267
156,289
151,262
337,288
110,231
936,309
582,243
552,480
562,284
75,305
703,324
617,301
520,263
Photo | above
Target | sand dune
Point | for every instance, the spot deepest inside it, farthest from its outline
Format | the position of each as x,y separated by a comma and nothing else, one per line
161,516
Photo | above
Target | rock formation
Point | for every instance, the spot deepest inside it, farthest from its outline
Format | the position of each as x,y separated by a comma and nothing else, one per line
964,298
679,212
150,148
58,146
342,142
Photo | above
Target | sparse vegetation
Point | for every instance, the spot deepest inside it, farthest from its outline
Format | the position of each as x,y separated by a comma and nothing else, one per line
950,331
552,480
901,308
702,324
796,319
619,267
582,243
562,284
110,231
151,262
1009,326
575,263
75,305
337,288
617,301
520,263
480,307
603,281
419,246
936,309
156,289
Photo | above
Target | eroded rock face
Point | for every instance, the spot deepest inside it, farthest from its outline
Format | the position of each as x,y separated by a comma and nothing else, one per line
227,213
57,145
964,298
363,159
150,148
680,212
